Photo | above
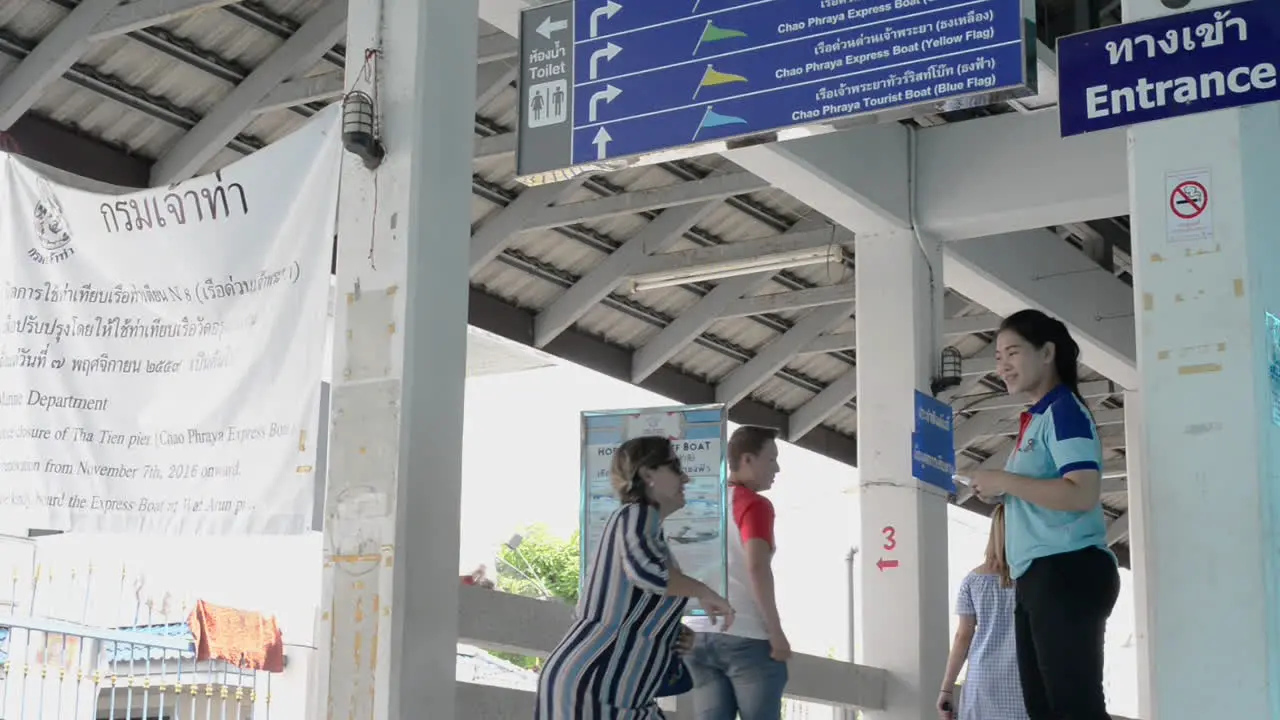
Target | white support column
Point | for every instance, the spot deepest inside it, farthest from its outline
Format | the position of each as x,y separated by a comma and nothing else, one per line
1209,519
395,461
1134,454
903,625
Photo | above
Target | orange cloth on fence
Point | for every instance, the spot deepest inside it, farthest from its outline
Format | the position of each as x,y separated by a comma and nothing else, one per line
239,637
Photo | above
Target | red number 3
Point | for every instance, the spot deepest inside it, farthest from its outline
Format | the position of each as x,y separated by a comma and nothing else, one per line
889,541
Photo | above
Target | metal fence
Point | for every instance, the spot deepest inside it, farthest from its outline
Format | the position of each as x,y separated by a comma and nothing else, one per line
72,647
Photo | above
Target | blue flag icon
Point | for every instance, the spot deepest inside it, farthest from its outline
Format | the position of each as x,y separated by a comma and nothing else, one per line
712,119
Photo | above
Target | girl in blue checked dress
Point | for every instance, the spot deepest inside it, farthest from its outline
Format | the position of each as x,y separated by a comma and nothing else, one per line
985,638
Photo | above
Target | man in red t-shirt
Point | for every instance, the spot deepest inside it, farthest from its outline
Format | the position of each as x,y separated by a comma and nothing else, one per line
741,672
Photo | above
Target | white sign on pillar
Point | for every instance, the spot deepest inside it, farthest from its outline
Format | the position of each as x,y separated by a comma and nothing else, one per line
1203,219
903,595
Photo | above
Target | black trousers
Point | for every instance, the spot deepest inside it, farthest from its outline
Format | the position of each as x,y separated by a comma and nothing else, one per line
1063,602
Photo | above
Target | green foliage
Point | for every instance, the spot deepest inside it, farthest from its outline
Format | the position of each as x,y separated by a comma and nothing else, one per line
543,559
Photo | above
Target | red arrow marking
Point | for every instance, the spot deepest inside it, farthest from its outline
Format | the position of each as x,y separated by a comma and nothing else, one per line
882,564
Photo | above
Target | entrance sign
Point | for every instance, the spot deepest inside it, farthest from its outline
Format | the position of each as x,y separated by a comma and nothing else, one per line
611,83
1190,212
696,533
161,351
933,443
1169,66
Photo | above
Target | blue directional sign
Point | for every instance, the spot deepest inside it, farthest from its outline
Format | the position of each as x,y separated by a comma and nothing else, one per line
608,82
1169,66
933,444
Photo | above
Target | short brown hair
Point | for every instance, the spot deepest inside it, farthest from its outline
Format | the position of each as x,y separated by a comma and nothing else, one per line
749,440
649,451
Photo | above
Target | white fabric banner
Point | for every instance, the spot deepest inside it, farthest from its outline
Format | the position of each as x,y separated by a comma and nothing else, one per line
161,351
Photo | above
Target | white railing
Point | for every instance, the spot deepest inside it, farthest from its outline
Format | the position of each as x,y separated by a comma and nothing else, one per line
511,623
59,670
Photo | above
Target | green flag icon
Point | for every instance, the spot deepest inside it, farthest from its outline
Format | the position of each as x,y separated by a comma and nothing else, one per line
714,33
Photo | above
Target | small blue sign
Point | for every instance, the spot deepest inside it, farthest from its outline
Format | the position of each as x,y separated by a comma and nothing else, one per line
1169,66
933,444
626,78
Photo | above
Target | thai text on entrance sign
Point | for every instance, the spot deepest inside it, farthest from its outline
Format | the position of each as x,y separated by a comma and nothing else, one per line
1169,66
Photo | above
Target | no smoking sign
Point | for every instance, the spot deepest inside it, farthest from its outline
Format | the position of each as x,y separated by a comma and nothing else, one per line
1189,200
1189,214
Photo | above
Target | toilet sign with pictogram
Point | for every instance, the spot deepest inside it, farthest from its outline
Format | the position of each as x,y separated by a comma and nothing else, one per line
1189,216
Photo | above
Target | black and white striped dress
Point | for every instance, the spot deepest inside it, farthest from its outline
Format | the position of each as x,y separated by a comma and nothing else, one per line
610,664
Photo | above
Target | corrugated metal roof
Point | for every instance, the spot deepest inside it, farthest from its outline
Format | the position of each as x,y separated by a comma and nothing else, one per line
142,91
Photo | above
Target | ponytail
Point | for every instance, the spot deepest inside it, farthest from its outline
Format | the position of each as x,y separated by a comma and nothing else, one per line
996,561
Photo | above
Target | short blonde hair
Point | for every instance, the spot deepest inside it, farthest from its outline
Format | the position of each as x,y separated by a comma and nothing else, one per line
648,451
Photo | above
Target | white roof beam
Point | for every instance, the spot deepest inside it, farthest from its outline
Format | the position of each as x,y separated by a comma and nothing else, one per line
715,187
856,178
141,14
1009,272
692,322
505,14
743,250
983,363
492,79
234,112
788,301
316,88
821,406
1030,176
498,46
774,356
831,342
659,235
495,146
972,324
55,54
952,328
497,231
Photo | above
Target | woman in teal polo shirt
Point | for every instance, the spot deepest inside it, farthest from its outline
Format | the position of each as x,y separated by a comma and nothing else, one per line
1066,578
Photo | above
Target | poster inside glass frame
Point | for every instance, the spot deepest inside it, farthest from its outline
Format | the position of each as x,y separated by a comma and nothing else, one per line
696,532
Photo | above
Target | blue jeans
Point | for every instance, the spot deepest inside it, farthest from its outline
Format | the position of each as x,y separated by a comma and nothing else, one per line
734,677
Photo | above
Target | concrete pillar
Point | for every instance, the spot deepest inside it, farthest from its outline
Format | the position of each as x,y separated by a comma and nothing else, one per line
903,624
395,448
1139,551
1210,514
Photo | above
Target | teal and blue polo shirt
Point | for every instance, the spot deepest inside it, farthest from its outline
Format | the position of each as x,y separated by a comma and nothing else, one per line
1058,436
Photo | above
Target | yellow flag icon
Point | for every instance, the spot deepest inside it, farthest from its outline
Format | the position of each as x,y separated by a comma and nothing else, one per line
712,77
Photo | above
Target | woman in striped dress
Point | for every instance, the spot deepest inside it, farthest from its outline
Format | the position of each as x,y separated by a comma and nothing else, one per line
614,658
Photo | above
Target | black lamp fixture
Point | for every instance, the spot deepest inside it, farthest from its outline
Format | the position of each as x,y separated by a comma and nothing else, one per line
360,129
948,370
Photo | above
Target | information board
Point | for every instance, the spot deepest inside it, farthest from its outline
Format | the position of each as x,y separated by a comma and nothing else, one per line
695,533
611,83
1169,66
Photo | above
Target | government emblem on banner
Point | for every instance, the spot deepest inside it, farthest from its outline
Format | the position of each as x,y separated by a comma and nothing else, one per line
53,234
